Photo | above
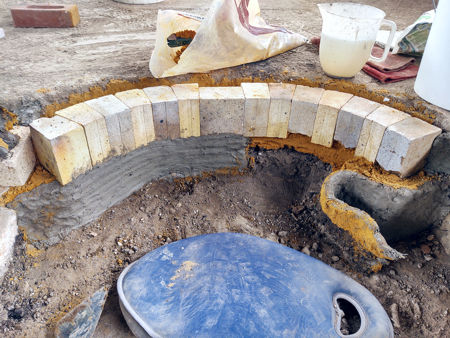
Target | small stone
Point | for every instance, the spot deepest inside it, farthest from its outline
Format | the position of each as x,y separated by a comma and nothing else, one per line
282,233
8,233
425,249
306,251
17,313
390,294
416,309
428,258
430,237
335,258
392,272
419,265
315,246
394,315
3,153
93,234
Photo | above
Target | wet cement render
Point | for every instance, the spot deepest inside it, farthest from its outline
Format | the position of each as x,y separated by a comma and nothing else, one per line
51,211
277,199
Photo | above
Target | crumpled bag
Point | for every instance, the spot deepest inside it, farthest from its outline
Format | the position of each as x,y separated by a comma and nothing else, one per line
232,33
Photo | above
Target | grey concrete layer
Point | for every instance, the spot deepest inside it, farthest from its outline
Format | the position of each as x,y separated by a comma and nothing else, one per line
400,213
50,211
438,160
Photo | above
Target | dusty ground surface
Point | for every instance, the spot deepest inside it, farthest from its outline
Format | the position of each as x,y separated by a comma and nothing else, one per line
277,199
114,41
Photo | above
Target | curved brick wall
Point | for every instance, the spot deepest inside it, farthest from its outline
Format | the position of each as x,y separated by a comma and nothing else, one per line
138,135
89,133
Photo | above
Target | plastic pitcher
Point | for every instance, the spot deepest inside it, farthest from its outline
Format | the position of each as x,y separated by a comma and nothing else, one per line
349,31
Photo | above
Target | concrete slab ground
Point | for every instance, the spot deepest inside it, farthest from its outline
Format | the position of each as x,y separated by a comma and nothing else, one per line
114,41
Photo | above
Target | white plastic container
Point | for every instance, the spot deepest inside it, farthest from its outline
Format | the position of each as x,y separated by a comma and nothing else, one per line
433,79
349,31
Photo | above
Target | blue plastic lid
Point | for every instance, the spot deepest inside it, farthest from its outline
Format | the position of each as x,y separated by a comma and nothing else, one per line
235,285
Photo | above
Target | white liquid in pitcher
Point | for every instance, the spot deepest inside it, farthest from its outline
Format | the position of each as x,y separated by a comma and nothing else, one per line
343,58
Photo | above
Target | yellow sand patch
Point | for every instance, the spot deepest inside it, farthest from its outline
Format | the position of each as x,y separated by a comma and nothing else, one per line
360,226
3,144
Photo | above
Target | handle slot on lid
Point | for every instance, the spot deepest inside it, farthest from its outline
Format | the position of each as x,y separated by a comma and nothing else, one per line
350,321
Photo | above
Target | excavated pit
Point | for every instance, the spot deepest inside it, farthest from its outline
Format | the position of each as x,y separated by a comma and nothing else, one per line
275,197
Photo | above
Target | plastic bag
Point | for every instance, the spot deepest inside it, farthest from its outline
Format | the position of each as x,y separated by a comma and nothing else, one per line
412,39
232,33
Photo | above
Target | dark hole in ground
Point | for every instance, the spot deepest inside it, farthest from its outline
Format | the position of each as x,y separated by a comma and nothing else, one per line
402,213
277,199
351,320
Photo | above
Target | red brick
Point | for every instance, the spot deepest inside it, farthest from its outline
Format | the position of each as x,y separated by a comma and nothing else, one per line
45,15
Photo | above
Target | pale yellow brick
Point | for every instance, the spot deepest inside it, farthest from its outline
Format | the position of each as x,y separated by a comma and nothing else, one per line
373,130
61,147
165,112
280,109
189,108
405,146
118,122
141,115
222,110
257,104
326,117
350,120
94,125
305,104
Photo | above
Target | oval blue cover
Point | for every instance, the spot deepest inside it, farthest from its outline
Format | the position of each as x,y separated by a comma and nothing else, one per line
236,285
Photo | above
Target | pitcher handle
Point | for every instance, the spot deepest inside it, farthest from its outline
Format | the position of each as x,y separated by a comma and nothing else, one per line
388,44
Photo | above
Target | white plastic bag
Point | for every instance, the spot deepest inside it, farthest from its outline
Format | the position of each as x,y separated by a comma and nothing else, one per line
233,33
